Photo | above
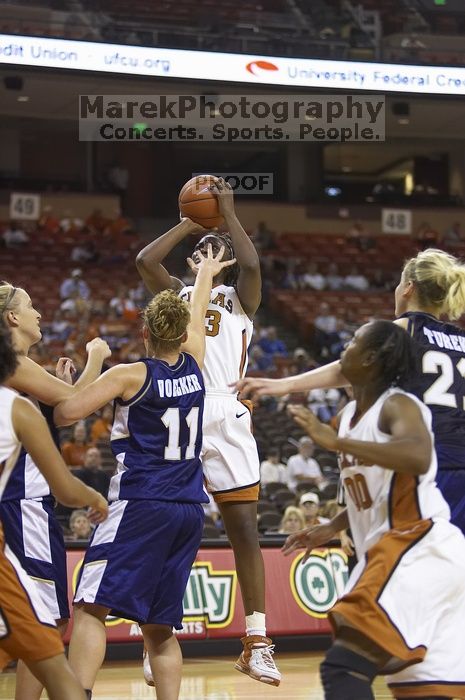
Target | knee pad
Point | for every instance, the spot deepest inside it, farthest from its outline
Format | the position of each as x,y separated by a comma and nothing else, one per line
338,679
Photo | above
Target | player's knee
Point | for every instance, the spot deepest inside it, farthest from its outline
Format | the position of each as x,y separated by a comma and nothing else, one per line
346,675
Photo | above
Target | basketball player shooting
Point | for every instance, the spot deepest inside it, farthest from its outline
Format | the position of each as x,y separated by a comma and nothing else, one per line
229,453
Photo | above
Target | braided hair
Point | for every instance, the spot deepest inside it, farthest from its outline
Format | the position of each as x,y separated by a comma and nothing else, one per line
394,352
231,273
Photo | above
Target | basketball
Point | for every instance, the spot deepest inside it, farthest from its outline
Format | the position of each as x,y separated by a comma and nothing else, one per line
198,203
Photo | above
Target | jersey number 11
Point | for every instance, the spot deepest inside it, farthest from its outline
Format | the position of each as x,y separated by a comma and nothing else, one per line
172,419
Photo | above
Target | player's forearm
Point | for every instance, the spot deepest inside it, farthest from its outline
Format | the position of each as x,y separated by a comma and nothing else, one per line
404,455
200,297
156,251
244,250
339,522
91,371
326,377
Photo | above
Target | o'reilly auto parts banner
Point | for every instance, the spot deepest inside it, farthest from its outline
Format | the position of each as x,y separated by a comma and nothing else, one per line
298,596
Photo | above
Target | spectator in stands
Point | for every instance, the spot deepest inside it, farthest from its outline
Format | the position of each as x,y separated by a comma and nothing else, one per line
14,237
293,520
323,402
325,321
271,469
85,252
96,222
334,281
74,451
101,427
80,526
91,472
290,279
303,361
342,336
262,237
355,280
310,505
453,237
119,226
325,325
259,361
71,225
48,223
115,330
139,295
75,286
312,278
123,305
426,236
303,467
378,280
359,237
271,344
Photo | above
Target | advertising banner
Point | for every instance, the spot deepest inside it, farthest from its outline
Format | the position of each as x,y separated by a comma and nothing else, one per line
298,596
229,67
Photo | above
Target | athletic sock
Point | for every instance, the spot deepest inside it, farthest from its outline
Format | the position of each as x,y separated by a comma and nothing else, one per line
255,624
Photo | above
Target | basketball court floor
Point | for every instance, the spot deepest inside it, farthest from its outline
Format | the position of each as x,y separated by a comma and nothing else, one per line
211,678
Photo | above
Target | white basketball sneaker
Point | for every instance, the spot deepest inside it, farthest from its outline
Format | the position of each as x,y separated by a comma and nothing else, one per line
148,676
256,660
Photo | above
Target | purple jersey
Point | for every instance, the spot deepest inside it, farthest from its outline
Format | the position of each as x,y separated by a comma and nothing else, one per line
157,436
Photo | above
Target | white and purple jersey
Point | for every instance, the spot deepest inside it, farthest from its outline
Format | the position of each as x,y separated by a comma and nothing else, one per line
157,436
26,480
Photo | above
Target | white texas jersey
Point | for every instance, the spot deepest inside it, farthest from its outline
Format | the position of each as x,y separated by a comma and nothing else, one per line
228,335
9,443
380,499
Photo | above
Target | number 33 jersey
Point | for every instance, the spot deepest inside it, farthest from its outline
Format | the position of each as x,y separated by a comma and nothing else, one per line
380,499
228,332
440,383
157,436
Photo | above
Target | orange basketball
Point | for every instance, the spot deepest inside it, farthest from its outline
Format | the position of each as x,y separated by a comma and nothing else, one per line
200,204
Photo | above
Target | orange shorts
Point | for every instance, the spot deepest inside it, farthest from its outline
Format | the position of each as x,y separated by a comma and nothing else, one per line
27,629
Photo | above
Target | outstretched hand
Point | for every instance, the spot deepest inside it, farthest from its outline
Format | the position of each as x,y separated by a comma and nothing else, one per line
65,370
321,433
255,387
212,263
308,539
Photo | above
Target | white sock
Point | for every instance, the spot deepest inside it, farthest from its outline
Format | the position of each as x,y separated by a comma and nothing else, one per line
255,624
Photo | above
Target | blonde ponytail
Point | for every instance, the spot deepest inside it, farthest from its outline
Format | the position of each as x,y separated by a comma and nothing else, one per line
439,281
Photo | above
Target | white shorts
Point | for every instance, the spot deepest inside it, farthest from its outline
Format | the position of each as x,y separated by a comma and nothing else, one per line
230,460
408,596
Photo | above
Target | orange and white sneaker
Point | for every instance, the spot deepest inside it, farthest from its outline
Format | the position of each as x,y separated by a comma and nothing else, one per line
256,660
148,675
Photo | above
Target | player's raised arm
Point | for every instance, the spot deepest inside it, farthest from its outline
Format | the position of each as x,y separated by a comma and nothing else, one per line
249,282
148,262
32,431
206,268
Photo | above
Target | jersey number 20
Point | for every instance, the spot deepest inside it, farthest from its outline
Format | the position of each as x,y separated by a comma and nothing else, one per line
171,419
435,362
